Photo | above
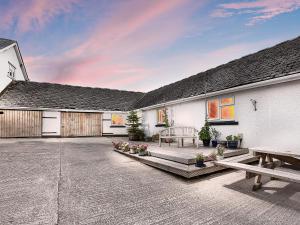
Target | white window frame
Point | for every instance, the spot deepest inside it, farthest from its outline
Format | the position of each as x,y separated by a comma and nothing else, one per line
11,71
157,115
220,107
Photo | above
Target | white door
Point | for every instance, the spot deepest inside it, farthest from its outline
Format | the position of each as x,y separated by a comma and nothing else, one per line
51,124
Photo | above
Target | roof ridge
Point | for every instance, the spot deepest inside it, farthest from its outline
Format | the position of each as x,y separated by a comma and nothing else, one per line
78,86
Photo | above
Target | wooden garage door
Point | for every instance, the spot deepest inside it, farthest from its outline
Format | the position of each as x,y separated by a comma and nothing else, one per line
74,124
17,123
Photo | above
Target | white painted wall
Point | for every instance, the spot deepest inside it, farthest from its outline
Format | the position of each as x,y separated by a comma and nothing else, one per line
276,123
11,56
51,123
108,129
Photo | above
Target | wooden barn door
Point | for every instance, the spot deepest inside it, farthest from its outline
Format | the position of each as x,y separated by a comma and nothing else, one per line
18,123
74,124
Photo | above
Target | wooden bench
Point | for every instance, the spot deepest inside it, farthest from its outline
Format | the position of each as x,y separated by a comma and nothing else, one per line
282,175
179,133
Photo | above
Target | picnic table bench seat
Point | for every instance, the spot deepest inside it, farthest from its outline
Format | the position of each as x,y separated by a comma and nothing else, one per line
282,175
179,133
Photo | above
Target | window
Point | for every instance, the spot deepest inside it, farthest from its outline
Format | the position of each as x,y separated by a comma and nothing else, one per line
161,114
11,71
221,109
117,120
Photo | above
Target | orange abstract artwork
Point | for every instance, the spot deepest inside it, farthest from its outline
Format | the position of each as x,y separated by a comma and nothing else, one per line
117,119
213,109
227,112
227,101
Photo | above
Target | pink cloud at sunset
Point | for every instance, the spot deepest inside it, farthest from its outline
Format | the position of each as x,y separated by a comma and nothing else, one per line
110,49
34,14
139,44
262,9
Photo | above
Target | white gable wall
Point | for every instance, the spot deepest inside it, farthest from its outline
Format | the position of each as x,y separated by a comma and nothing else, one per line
276,122
6,56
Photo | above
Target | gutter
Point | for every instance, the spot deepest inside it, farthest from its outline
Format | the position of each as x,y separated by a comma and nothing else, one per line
286,78
59,110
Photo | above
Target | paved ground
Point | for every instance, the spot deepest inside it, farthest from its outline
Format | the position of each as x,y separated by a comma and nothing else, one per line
82,181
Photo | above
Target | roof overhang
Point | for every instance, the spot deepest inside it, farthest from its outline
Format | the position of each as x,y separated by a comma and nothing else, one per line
19,56
59,110
286,78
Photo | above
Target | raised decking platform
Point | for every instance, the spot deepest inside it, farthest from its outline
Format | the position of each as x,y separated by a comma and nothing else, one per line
182,161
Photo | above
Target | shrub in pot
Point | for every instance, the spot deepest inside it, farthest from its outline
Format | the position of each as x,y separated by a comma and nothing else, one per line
220,152
200,160
125,147
215,135
205,135
142,149
134,131
232,141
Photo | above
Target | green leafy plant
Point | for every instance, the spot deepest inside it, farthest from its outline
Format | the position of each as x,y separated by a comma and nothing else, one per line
232,138
205,133
200,157
215,134
166,118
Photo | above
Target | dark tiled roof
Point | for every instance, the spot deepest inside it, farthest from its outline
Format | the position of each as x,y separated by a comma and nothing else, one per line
57,96
5,42
267,64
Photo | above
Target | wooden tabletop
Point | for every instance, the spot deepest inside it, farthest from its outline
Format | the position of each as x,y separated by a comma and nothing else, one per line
277,151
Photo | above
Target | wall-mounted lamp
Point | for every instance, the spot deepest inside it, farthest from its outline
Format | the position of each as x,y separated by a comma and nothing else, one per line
254,103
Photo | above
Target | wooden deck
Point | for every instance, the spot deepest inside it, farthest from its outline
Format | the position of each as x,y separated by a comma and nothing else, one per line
182,161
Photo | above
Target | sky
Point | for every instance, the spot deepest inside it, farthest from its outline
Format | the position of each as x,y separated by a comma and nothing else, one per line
141,45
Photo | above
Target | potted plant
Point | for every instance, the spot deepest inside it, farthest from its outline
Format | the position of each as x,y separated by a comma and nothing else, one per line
205,135
232,141
200,160
125,147
212,157
142,149
133,149
220,152
215,135
134,131
117,145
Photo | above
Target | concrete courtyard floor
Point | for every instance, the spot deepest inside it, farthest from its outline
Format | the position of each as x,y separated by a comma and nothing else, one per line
82,181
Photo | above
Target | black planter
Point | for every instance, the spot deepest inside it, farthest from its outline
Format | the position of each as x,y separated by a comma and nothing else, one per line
214,143
206,143
133,137
200,163
232,144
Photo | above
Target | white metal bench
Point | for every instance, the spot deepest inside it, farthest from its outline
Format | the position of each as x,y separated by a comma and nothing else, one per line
179,133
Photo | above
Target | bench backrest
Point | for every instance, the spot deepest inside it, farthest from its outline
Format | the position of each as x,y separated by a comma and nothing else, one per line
179,131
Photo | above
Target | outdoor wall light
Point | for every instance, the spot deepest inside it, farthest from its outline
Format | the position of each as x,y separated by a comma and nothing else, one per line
254,103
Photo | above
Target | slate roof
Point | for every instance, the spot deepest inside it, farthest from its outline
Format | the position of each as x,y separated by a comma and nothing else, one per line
57,96
5,42
270,63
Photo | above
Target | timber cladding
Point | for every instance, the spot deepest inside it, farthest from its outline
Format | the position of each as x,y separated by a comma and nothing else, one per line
18,123
78,124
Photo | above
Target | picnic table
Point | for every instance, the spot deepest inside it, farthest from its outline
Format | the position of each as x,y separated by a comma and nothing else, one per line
269,159
266,160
